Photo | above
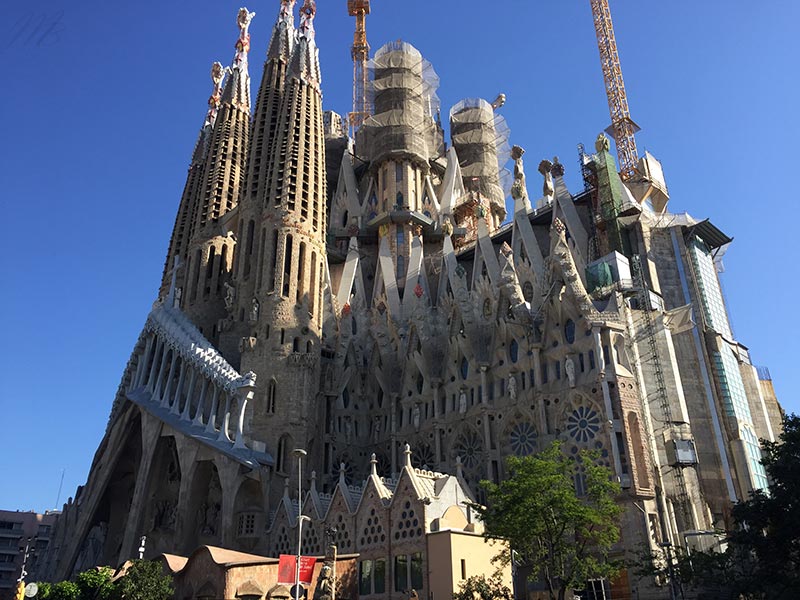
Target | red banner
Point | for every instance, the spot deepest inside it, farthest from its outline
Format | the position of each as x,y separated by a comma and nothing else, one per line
287,566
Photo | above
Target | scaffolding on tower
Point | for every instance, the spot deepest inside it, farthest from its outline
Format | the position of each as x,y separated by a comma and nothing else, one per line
360,53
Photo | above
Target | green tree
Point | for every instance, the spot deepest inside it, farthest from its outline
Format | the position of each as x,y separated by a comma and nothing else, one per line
762,557
145,580
564,538
479,587
95,584
64,590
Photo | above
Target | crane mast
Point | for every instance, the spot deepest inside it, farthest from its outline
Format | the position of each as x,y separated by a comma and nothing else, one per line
622,125
360,53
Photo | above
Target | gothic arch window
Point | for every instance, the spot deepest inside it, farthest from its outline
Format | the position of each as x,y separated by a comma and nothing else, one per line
345,218
312,287
271,393
282,456
301,272
248,254
513,351
287,265
296,344
523,438
569,331
274,260
464,367
223,266
260,263
196,269
212,251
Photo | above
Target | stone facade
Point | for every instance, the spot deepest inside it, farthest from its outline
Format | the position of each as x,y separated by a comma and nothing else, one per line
354,296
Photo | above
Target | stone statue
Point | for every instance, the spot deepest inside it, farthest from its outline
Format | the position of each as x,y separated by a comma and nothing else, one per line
415,417
230,295
512,387
569,368
601,144
210,511
545,168
324,589
178,296
254,308
413,595
376,429
462,402
348,429
243,19
519,189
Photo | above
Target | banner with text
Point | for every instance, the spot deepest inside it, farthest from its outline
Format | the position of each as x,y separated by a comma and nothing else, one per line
288,564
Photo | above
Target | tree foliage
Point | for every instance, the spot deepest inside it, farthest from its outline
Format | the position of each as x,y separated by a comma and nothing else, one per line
479,587
564,538
65,590
762,558
145,580
95,584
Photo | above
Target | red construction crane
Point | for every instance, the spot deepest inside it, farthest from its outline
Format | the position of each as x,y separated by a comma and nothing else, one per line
622,125
360,52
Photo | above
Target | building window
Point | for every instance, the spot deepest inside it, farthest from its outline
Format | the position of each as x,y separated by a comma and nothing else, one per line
365,577
398,172
513,351
247,524
271,392
401,573
464,368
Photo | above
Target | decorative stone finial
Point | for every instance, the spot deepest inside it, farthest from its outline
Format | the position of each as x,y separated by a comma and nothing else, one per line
342,479
447,227
307,13
499,101
286,488
544,168
459,467
505,249
407,452
418,291
217,75
558,168
313,481
559,226
373,465
243,19
601,144
287,11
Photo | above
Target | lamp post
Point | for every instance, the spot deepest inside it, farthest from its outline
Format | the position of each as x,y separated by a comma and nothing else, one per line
299,453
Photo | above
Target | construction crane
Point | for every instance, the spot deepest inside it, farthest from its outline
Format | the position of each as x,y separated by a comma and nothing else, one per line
622,126
360,53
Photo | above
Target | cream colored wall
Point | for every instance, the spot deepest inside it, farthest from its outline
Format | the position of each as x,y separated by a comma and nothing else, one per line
446,550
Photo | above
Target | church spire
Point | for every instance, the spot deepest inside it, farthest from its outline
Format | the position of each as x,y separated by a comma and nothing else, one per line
237,90
181,231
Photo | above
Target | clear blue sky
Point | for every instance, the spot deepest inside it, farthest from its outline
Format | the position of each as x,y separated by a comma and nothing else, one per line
103,102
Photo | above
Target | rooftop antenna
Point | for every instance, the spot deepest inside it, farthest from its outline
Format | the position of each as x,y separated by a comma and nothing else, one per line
360,53
622,126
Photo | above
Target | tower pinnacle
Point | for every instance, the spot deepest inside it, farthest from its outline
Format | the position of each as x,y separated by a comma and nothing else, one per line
307,13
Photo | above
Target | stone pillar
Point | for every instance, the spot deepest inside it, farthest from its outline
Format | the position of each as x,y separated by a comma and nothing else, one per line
201,403
151,428
153,369
484,390
187,408
211,426
165,396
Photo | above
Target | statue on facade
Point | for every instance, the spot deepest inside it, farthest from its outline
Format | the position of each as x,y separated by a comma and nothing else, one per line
519,189
545,168
512,387
324,589
462,402
376,429
230,295
569,368
415,417
254,308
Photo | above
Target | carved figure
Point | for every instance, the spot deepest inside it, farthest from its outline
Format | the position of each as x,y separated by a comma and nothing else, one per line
462,402
230,295
324,589
254,308
348,429
519,189
209,522
376,429
545,168
601,144
569,368
415,417
178,296
512,387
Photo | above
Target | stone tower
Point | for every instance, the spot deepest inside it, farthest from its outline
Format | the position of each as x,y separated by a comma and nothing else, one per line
203,239
281,259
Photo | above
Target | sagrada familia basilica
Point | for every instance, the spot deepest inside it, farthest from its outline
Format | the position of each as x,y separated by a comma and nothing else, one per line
374,300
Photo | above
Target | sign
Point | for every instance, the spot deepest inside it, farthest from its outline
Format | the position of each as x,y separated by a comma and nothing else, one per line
287,565
31,590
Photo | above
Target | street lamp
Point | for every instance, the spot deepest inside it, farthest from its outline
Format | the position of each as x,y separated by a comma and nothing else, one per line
299,453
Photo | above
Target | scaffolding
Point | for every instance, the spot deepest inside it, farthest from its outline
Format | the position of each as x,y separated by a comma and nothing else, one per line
360,53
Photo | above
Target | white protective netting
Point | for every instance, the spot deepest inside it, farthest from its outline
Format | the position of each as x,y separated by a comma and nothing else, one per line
480,138
402,90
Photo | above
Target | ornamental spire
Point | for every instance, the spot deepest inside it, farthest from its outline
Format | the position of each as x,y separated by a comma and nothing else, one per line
307,14
243,43
217,75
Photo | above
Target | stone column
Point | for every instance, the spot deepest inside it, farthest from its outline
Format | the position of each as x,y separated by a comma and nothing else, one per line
484,389
153,368
165,396
211,426
198,415
151,428
186,413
